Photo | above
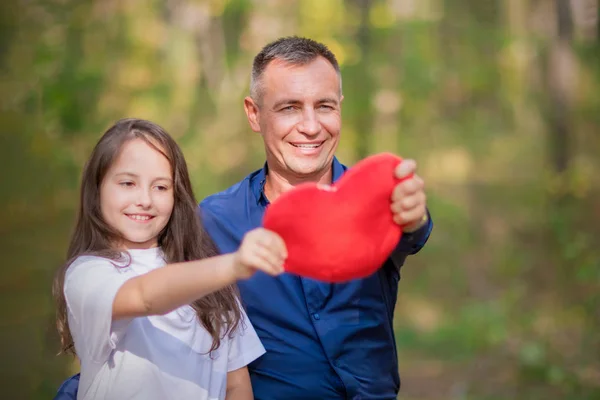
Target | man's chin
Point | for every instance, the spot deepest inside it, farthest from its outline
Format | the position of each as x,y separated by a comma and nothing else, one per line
304,170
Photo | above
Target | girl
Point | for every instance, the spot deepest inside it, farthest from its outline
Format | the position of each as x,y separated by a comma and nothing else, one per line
144,300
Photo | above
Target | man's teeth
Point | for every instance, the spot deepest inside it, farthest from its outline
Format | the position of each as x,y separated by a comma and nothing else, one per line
307,146
140,217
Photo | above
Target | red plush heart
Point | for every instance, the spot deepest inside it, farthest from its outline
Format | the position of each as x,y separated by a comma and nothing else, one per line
340,232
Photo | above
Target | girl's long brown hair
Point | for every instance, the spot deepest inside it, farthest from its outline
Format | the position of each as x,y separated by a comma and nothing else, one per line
182,239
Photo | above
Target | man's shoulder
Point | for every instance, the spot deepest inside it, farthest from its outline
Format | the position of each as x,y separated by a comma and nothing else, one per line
234,196
227,196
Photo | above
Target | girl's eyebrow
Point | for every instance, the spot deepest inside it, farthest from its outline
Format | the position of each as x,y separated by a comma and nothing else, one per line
133,175
127,174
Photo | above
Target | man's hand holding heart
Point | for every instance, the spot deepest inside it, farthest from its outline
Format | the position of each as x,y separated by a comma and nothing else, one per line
408,202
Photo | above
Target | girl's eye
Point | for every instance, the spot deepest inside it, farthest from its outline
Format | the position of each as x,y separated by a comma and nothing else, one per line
162,188
126,184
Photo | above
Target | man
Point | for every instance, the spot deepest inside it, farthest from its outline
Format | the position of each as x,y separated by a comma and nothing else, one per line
323,341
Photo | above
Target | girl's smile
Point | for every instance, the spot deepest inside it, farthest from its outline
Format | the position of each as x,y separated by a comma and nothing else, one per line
140,217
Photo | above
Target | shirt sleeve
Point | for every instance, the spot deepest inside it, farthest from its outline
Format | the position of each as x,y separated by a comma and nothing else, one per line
245,345
412,243
90,288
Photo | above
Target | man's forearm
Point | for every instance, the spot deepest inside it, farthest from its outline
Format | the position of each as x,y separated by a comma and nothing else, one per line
412,242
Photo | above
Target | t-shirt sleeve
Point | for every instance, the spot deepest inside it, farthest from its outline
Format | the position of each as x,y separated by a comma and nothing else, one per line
90,288
245,345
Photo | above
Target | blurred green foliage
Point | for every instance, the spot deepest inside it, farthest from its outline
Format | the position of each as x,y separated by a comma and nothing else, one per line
499,101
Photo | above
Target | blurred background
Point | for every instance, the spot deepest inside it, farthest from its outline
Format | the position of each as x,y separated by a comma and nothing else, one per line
497,100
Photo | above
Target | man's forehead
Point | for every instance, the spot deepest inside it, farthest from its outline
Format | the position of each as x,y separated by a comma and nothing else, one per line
317,75
280,65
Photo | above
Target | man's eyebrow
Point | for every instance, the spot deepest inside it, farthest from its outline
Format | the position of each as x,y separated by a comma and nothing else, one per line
328,100
289,102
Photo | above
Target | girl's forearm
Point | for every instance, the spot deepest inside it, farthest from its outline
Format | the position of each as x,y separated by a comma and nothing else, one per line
167,288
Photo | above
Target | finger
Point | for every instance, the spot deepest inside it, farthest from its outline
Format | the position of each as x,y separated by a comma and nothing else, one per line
265,239
273,257
399,206
405,168
258,261
273,243
407,187
419,181
261,237
411,216
413,201
280,244
325,187
252,237
408,203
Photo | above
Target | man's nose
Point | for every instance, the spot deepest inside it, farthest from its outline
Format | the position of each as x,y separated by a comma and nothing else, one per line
310,124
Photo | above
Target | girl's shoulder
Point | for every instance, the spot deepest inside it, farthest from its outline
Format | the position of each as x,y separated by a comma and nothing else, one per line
95,265
154,255
130,262
88,271
89,261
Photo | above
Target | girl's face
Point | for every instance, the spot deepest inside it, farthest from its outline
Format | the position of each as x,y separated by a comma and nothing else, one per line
136,195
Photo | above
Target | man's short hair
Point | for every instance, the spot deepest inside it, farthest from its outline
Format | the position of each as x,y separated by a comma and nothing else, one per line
292,50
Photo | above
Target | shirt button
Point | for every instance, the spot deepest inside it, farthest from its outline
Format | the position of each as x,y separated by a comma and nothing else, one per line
316,316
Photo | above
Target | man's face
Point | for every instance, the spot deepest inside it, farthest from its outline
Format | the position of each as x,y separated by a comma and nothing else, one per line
299,117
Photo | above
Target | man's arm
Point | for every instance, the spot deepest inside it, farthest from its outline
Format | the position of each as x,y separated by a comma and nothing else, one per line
410,211
412,242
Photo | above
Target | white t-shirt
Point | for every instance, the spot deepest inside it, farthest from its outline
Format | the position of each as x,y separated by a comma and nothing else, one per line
146,358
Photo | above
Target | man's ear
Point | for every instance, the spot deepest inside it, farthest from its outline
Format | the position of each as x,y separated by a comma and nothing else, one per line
252,112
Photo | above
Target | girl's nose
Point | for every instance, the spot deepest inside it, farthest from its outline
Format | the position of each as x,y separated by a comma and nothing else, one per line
144,199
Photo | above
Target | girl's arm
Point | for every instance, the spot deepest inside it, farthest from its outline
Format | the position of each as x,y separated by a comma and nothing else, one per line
238,385
165,289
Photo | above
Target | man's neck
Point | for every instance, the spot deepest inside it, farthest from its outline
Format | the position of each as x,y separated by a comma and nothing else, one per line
277,183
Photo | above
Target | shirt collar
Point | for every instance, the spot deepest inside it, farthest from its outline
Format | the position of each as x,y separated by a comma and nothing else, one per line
257,181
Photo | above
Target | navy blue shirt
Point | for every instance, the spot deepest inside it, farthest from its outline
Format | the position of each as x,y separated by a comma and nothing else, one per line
323,341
